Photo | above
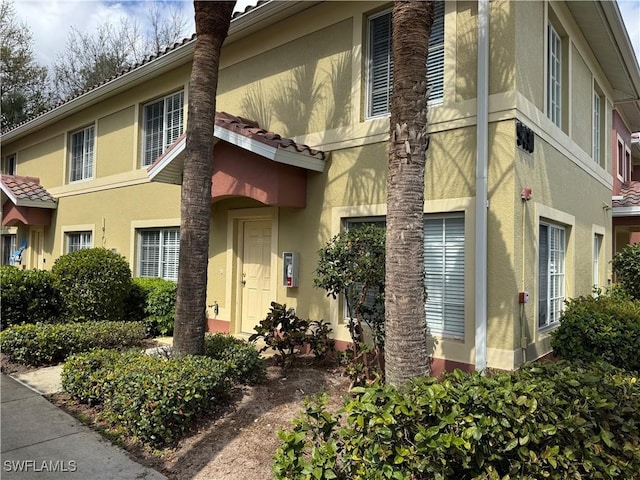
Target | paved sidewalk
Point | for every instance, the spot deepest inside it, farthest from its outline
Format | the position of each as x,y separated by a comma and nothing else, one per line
40,441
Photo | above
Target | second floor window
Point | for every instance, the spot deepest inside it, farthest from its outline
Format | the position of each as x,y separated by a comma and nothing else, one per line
9,165
380,61
554,77
82,154
78,241
163,124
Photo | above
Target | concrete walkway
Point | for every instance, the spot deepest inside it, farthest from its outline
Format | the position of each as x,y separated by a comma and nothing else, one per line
40,441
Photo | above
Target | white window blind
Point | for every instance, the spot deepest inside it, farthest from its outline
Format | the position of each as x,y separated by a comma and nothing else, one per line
380,72
81,167
158,253
163,124
551,274
554,77
597,241
444,274
78,241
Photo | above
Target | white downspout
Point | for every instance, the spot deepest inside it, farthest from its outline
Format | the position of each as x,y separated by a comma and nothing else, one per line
482,201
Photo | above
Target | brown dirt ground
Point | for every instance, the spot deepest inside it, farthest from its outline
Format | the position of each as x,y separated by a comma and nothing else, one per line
237,442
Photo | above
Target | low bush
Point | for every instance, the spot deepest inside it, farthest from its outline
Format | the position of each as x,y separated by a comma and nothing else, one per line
245,362
27,296
553,420
44,344
606,327
626,265
94,284
286,333
152,398
153,301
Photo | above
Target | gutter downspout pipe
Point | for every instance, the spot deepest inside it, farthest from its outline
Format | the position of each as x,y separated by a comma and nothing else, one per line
482,201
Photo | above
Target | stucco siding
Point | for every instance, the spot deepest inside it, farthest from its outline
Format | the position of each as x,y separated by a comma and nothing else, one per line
529,50
115,142
44,160
581,102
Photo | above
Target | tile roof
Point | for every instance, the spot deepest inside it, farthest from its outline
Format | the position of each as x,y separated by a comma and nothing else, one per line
630,193
134,66
23,190
251,129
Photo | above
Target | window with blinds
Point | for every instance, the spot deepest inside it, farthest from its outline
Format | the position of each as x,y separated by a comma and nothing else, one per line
81,164
551,274
163,124
79,241
380,61
444,274
158,253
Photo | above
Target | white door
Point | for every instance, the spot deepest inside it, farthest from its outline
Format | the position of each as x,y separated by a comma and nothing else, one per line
256,273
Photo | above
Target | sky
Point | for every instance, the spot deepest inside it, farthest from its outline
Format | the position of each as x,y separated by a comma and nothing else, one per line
51,20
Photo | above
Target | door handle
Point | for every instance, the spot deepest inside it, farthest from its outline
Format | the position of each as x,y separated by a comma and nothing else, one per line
244,279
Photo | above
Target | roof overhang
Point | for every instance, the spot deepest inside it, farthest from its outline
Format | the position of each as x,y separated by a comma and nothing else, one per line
603,28
243,24
625,212
168,167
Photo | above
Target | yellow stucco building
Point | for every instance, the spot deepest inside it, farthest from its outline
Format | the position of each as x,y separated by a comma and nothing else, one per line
518,183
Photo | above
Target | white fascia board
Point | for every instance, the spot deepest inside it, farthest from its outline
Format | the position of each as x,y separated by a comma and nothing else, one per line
267,151
299,160
259,148
167,159
626,211
137,75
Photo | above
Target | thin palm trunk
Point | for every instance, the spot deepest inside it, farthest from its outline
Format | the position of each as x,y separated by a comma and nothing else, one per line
406,350
212,24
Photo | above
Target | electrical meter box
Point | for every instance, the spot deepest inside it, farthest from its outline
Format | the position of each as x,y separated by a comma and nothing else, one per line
290,261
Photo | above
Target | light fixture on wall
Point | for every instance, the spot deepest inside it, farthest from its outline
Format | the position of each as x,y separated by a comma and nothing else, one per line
525,194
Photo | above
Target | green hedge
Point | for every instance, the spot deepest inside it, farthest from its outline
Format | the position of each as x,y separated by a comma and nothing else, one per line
153,398
44,344
626,265
27,296
606,327
551,420
153,301
246,365
94,284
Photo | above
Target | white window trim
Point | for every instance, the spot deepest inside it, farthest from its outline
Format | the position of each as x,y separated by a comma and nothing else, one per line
5,164
143,161
161,247
597,126
554,105
84,159
621,163
627,163
545,214
563,275
82,246
599,231
67,229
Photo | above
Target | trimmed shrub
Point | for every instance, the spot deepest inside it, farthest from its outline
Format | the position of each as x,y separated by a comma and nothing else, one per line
49,344
27,296
153,398
286,333
606,327
94,284
552,420
626,265
155,300
245,362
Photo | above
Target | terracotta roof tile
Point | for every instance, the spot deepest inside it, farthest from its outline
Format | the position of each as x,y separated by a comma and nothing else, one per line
251,129
26,188
630,193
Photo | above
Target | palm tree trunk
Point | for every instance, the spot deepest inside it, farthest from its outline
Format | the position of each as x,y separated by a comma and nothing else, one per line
406,351
212,24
